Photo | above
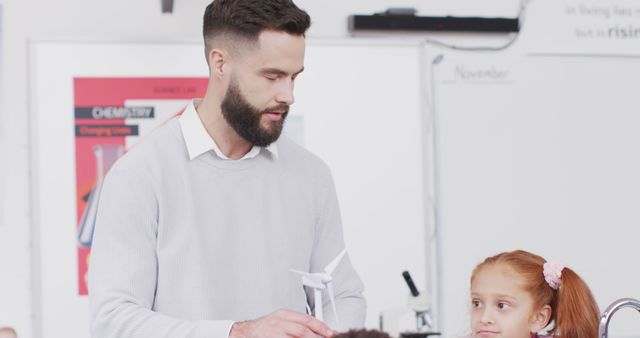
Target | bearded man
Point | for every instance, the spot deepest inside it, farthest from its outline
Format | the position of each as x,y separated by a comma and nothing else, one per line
200,223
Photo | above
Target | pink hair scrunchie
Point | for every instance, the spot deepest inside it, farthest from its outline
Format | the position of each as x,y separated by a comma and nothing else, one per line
553,274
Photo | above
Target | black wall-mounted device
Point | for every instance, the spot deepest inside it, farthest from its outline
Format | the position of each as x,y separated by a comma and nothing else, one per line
167,6
389,21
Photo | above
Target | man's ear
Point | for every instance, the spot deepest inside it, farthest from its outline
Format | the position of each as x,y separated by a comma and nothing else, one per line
217,62
540,318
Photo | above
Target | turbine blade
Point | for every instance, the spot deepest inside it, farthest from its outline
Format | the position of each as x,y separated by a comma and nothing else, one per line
334,263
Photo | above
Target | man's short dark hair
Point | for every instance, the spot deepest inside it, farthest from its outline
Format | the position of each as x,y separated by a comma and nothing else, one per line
246,19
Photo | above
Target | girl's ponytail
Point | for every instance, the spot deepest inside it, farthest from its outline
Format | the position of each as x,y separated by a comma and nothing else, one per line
577,314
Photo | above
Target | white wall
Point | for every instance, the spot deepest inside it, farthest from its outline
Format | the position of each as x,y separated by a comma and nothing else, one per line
115,20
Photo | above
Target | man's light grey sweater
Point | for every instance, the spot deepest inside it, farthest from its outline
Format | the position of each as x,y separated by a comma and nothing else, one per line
183,248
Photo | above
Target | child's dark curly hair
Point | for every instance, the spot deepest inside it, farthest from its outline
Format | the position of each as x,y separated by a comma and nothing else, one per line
362,333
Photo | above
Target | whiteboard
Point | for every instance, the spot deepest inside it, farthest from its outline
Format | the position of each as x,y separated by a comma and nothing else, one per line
59,309
359,103
540,153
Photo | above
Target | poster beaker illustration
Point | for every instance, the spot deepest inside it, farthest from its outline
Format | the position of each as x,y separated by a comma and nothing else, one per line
105,156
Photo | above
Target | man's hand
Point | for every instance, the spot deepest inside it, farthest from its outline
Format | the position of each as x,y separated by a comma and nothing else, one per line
281,323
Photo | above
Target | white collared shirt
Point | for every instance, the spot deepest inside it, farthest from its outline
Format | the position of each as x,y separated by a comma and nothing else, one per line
199,141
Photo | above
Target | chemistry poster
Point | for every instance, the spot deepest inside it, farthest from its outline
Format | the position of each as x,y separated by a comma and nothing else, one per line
110,116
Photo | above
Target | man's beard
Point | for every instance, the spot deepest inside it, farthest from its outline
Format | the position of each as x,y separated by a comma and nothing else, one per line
245,119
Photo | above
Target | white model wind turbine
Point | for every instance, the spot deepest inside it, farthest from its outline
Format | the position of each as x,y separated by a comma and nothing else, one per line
320,281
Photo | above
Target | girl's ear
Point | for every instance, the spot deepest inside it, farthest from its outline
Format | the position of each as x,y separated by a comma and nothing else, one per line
540,319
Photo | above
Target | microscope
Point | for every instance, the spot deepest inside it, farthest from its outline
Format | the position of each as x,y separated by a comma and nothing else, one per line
412,320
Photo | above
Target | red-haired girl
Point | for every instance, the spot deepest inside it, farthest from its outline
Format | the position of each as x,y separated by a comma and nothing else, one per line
517,294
